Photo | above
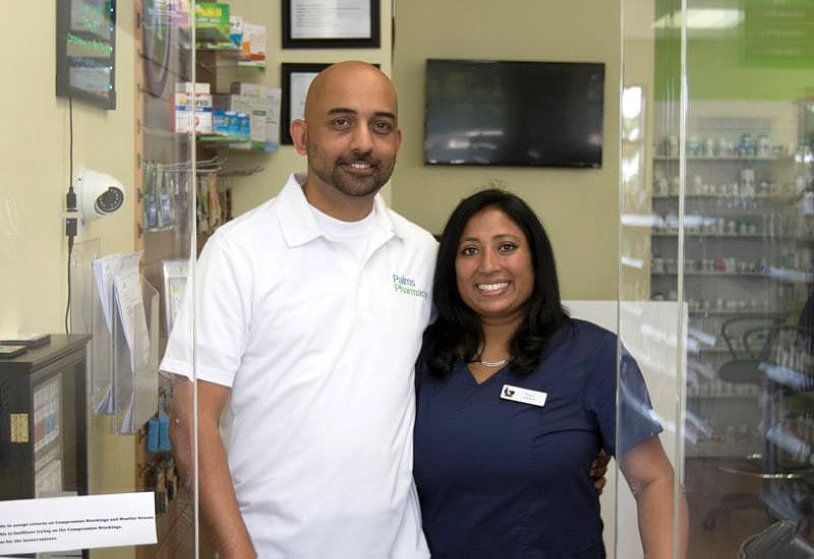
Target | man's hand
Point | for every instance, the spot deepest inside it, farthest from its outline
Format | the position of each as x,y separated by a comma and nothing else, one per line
599,467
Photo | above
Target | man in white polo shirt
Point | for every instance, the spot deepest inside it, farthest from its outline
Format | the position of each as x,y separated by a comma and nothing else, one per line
308,315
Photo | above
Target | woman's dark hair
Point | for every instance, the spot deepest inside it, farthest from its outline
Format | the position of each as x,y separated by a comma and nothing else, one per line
457,330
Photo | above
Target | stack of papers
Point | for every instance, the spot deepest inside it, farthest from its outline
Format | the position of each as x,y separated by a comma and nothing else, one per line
119,285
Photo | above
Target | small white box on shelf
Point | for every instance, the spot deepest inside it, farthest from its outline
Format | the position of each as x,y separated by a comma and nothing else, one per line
254,41
192,108
264,103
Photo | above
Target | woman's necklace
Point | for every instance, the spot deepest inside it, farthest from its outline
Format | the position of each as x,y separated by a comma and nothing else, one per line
493,364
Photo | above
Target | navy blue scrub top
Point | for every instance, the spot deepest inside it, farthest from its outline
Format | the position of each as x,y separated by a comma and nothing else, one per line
505,479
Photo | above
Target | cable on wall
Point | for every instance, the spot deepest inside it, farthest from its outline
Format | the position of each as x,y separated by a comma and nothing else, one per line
70,211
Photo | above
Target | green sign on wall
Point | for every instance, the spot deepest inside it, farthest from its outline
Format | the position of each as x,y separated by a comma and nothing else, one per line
779,33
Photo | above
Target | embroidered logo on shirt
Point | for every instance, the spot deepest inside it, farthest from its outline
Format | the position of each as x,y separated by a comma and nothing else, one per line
406,286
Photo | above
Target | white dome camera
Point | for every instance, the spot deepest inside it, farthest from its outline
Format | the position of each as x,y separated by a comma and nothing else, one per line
98,194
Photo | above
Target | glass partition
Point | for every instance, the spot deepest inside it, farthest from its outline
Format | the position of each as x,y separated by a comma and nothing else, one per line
97,229
716,233
171,106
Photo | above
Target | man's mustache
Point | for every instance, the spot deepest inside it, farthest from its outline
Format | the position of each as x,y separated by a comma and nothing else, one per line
360,159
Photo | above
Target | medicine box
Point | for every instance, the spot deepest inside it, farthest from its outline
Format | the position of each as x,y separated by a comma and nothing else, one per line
265,101
236,31
191,109
254,41
212,27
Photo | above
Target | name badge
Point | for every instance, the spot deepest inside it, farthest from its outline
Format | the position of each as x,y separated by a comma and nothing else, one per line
523,395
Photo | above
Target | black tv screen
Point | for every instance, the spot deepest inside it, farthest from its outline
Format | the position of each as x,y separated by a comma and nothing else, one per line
546,114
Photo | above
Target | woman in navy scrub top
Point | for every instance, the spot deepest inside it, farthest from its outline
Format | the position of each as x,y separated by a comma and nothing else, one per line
515,399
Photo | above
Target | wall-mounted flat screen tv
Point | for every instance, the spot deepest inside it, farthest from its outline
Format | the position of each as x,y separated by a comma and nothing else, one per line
546,114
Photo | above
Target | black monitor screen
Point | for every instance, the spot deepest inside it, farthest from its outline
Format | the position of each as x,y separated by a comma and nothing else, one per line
514,113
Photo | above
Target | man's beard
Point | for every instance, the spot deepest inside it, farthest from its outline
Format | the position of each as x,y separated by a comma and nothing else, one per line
340,175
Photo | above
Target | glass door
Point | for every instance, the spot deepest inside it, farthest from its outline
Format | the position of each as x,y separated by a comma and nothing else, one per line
716,233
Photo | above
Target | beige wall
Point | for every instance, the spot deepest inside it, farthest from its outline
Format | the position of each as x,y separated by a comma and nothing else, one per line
34,177
34,166
514,30
249,191
578,207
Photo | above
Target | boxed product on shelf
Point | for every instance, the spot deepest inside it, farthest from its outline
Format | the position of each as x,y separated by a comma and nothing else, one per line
189,87
203,114
237,110
236,31
212,25
266,100
223,122
256,119
191,110
244,125
273,96
253,42
228,102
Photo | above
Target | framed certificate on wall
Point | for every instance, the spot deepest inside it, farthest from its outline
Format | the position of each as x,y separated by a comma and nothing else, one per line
331,24
296,78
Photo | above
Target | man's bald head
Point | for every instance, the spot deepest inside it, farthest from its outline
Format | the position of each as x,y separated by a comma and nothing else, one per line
342,74
351,137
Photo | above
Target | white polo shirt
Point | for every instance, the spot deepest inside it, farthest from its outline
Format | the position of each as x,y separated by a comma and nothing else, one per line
318,348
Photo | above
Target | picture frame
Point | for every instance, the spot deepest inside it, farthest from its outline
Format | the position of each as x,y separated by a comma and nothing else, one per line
319,24
295,79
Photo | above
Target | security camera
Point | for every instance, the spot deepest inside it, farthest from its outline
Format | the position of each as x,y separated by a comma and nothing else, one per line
98,194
